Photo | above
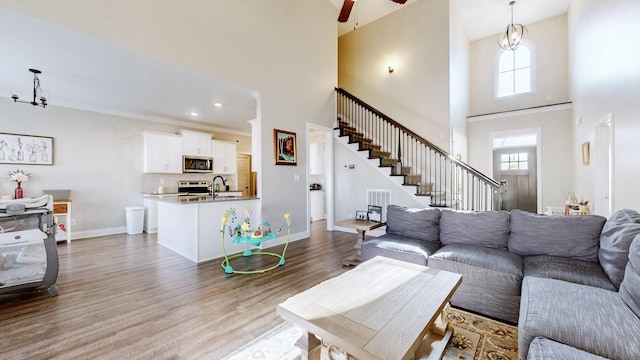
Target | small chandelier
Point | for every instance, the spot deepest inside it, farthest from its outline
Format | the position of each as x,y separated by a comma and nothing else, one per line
37,90
511,38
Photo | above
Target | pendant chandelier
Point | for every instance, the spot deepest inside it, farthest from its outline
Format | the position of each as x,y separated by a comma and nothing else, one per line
37,92
511,38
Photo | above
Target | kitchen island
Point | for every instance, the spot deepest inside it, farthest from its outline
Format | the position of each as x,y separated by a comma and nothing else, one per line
190,224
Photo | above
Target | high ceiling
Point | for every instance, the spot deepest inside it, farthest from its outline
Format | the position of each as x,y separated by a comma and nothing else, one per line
79,71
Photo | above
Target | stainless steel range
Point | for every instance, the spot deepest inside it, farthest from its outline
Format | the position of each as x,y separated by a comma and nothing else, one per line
194,187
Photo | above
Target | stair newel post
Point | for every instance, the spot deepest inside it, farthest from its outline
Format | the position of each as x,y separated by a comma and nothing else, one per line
399,162
502,195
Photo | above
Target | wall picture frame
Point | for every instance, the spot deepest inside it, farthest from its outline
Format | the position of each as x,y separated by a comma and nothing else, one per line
374,213
26,149
586,156
285,147
361,216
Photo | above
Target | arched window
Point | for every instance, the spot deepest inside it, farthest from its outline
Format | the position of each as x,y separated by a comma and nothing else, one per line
514,71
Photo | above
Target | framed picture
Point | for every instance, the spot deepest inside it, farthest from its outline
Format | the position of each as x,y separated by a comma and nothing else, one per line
285,145
361,215
375,213
26,149
585,153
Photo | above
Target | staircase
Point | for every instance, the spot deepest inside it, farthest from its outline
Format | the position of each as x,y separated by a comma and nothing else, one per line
429,172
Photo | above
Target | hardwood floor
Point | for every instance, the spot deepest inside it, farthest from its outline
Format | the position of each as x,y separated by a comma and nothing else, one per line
125,297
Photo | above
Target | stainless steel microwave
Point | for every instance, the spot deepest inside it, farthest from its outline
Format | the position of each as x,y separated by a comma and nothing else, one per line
197,164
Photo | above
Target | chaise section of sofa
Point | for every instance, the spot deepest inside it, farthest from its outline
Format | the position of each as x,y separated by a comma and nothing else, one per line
598,321
545,349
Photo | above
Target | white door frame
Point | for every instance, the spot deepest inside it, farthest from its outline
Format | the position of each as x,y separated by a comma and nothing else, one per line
328,176
603,160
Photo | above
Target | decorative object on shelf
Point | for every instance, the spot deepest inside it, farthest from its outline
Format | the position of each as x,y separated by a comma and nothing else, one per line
19,176
26,149
514,34
285,145
586,156
37,92
244,234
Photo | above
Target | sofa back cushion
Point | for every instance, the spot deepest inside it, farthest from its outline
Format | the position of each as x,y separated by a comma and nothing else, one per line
630,286
618,232
575,237
413,223
480,228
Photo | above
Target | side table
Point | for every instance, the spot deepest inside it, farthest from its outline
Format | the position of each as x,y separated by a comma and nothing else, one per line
362,226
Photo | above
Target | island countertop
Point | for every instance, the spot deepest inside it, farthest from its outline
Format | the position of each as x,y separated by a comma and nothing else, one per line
200,199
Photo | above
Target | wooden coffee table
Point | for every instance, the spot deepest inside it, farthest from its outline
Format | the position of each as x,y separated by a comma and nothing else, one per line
382,309
361,226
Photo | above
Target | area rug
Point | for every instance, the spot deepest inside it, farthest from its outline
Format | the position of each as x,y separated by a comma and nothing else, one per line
474,338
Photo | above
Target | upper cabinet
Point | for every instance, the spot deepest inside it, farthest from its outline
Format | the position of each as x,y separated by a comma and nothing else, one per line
162,153
224,157
196,143
316,158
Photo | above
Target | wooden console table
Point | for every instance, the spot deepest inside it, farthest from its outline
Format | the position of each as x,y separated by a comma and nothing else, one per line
362,226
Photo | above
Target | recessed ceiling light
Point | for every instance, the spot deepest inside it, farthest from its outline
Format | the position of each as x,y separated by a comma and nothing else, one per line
217,104
194,114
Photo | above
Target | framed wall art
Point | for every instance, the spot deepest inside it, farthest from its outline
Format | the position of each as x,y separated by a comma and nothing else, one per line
26,149
586,156
285,145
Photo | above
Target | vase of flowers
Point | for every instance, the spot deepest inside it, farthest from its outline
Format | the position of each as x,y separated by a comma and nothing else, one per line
19,176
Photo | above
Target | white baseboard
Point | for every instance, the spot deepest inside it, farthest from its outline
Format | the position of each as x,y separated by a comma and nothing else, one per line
76,235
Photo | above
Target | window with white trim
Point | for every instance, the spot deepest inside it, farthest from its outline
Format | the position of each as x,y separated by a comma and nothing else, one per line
514,71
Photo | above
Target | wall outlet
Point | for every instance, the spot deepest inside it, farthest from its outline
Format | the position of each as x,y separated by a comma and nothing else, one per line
72,222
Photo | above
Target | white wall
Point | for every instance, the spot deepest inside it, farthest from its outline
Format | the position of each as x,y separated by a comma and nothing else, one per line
605,79
415,40
551,84
351,193
459,84
285,49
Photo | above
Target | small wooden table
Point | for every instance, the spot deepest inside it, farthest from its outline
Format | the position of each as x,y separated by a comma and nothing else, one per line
362,226
382,309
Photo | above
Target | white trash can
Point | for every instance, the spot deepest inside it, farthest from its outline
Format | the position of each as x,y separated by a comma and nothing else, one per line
135,219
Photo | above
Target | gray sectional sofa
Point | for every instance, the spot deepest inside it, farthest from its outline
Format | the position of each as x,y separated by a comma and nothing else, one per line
571,283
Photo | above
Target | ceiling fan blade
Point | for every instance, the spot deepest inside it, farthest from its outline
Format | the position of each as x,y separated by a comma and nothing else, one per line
399,1
346,10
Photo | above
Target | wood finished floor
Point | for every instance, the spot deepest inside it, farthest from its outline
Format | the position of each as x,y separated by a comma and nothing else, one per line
125,297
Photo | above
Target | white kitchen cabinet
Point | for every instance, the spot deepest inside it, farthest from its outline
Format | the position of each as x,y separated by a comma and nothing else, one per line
224,157
150,215
316,158
317,204
162,153
196,143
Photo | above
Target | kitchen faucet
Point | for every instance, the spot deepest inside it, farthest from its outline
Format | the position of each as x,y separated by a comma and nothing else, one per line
213,184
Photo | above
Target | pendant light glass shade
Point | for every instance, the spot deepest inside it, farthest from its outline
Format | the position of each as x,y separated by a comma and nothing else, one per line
514,34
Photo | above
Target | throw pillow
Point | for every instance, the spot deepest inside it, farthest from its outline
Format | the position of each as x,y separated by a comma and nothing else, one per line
479,228
630,286
615,239
575,237
413,223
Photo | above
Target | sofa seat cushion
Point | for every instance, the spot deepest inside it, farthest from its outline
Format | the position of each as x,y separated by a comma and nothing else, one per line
414,223
575,271
480,228
545,349
576,237
585,317
491,279
400,248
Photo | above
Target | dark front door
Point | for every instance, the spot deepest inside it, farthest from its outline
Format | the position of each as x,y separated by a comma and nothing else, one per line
518,167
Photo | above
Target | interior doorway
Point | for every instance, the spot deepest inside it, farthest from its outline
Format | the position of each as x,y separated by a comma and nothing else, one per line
320,174
603,162
515,160
245,184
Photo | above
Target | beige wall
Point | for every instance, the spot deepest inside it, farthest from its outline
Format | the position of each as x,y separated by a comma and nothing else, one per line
551,81
459,80
605,75
284,49
415,40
